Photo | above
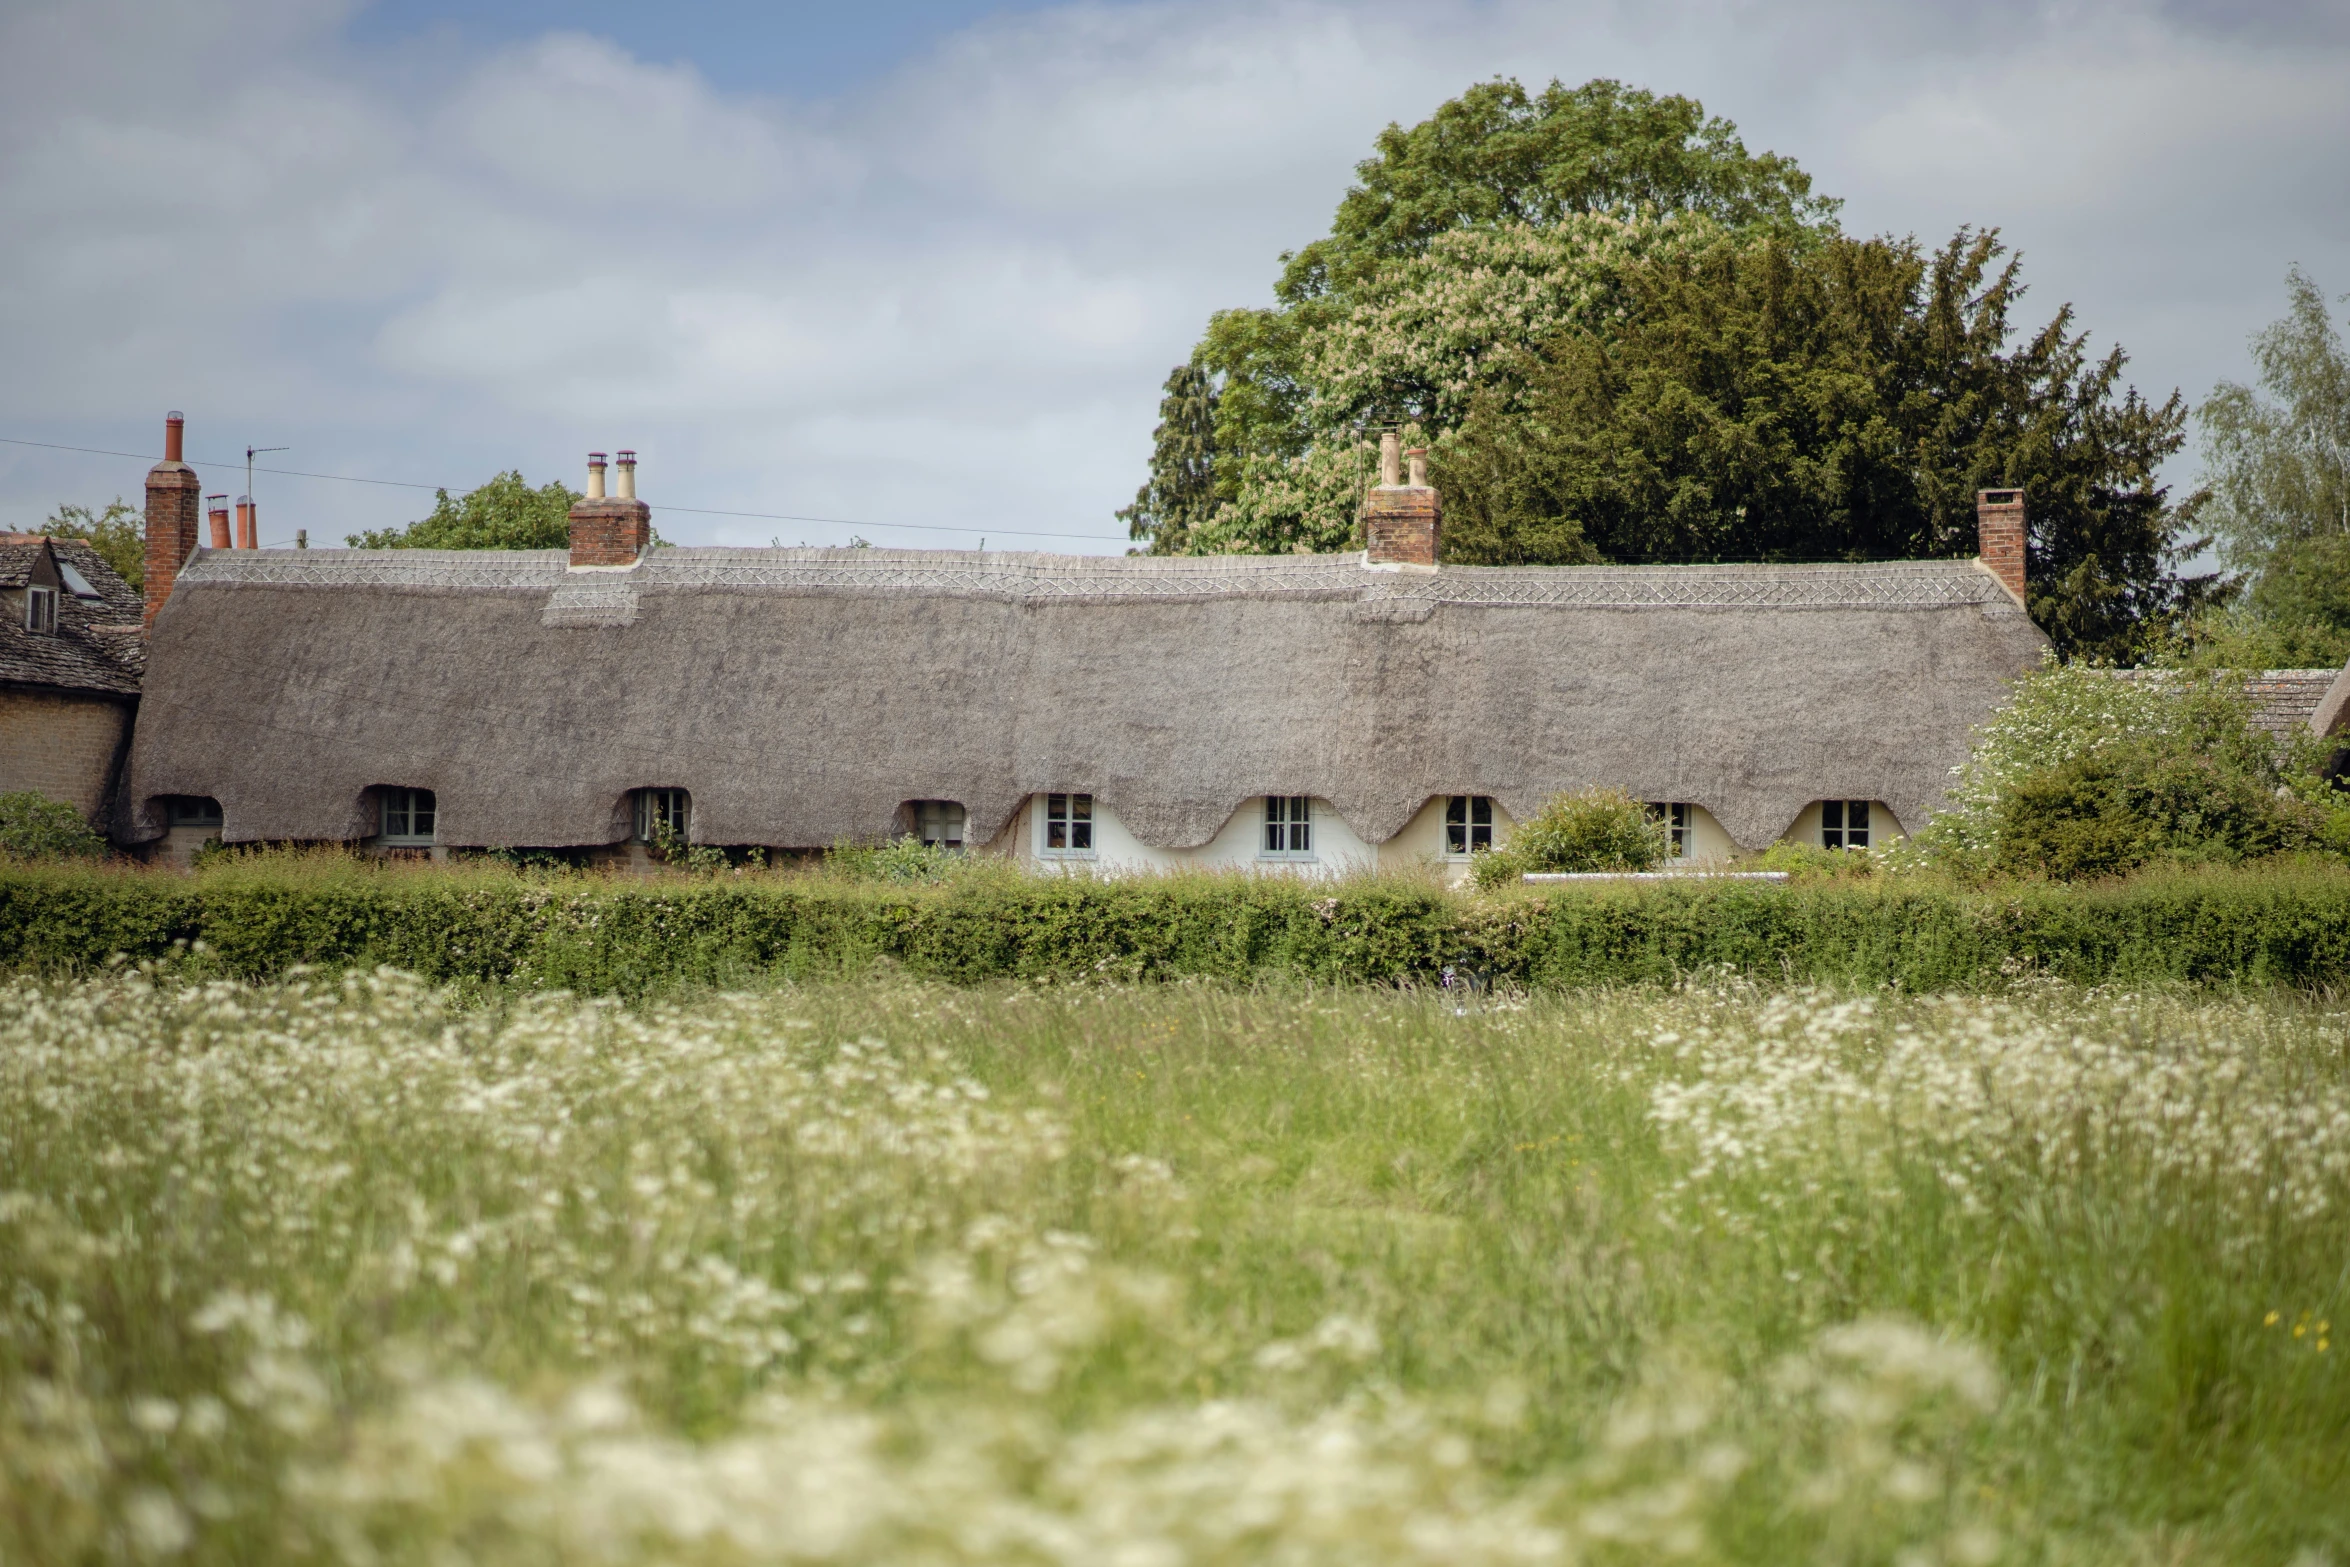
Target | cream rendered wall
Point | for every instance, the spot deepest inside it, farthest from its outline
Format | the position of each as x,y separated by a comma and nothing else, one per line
1338,851
1710,842
1421,843
1884,827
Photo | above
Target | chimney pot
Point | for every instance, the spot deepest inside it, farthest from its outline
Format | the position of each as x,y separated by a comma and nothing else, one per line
1390,464
1418,458
2001,537
610,530
248,527
175,425
219,514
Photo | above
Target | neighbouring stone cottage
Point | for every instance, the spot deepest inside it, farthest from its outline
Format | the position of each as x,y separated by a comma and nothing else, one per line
70,654
1301,713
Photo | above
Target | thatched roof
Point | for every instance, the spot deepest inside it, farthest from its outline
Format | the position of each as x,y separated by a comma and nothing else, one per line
96,649
803,694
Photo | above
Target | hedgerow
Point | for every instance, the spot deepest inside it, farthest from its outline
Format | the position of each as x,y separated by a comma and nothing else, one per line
2287,923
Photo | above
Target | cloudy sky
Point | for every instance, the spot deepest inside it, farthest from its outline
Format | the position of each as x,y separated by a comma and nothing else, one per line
920,267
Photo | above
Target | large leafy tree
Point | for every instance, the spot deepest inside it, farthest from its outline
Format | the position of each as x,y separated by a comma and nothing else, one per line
1180,495
1761,400
1497,157
504,514
2278,462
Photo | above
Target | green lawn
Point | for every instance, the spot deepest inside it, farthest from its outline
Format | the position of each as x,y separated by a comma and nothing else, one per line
900,1273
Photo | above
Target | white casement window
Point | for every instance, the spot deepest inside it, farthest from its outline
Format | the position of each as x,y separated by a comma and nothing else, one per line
40,611
1679,817
658,809
1289,827
1068,824
409,815
1468,825
939,823
1844,824
188,810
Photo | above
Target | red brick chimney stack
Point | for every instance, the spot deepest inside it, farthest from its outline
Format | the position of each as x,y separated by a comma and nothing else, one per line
248,525
1403,523
1999,534
217,507
175,502
610,530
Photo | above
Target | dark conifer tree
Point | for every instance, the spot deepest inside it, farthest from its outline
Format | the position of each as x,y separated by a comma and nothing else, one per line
1181,491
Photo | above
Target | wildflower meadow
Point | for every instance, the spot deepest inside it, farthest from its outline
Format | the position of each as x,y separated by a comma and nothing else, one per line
348,1268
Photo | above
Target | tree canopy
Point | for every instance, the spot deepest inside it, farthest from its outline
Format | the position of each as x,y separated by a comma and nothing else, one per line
1626,337
2277,459
1837,401
504,514
1180,495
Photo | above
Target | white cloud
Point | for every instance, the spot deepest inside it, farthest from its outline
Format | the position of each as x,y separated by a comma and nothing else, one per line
951,295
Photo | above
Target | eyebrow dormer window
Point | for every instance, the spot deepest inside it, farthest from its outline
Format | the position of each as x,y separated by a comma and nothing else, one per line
409,817
662,812
40,611
1068,824
1289,827
1844,824
939,823
1468,824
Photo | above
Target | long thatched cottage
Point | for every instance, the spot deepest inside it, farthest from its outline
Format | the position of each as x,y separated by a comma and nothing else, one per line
1298,712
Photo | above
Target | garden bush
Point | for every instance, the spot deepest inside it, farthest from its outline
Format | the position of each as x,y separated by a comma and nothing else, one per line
1594,830
33,826
2115,809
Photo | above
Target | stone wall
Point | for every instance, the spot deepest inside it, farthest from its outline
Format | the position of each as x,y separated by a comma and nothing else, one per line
64,747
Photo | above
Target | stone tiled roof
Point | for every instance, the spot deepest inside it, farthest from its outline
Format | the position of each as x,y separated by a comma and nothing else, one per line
2284,700
97,646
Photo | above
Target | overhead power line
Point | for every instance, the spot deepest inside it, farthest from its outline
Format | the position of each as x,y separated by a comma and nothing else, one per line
698,511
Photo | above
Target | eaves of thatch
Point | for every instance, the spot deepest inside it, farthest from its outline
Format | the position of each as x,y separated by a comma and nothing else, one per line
803,695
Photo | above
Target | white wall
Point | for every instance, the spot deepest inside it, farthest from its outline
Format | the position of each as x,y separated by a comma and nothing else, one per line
1338,850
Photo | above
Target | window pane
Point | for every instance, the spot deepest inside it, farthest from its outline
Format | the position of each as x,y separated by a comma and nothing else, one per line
1481,811
1456,809
1057,805
1081,807
1081,834
420,814
1301,825
1480,836
1832,814
1456,837
395,813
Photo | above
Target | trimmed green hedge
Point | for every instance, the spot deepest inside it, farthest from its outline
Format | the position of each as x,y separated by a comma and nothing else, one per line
2217,927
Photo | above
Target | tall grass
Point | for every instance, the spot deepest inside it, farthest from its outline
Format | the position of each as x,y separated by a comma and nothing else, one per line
341,1270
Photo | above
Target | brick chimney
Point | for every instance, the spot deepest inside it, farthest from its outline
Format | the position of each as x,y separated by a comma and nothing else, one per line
1999,534
610,530
248,525
216,507
1402,523
175,502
